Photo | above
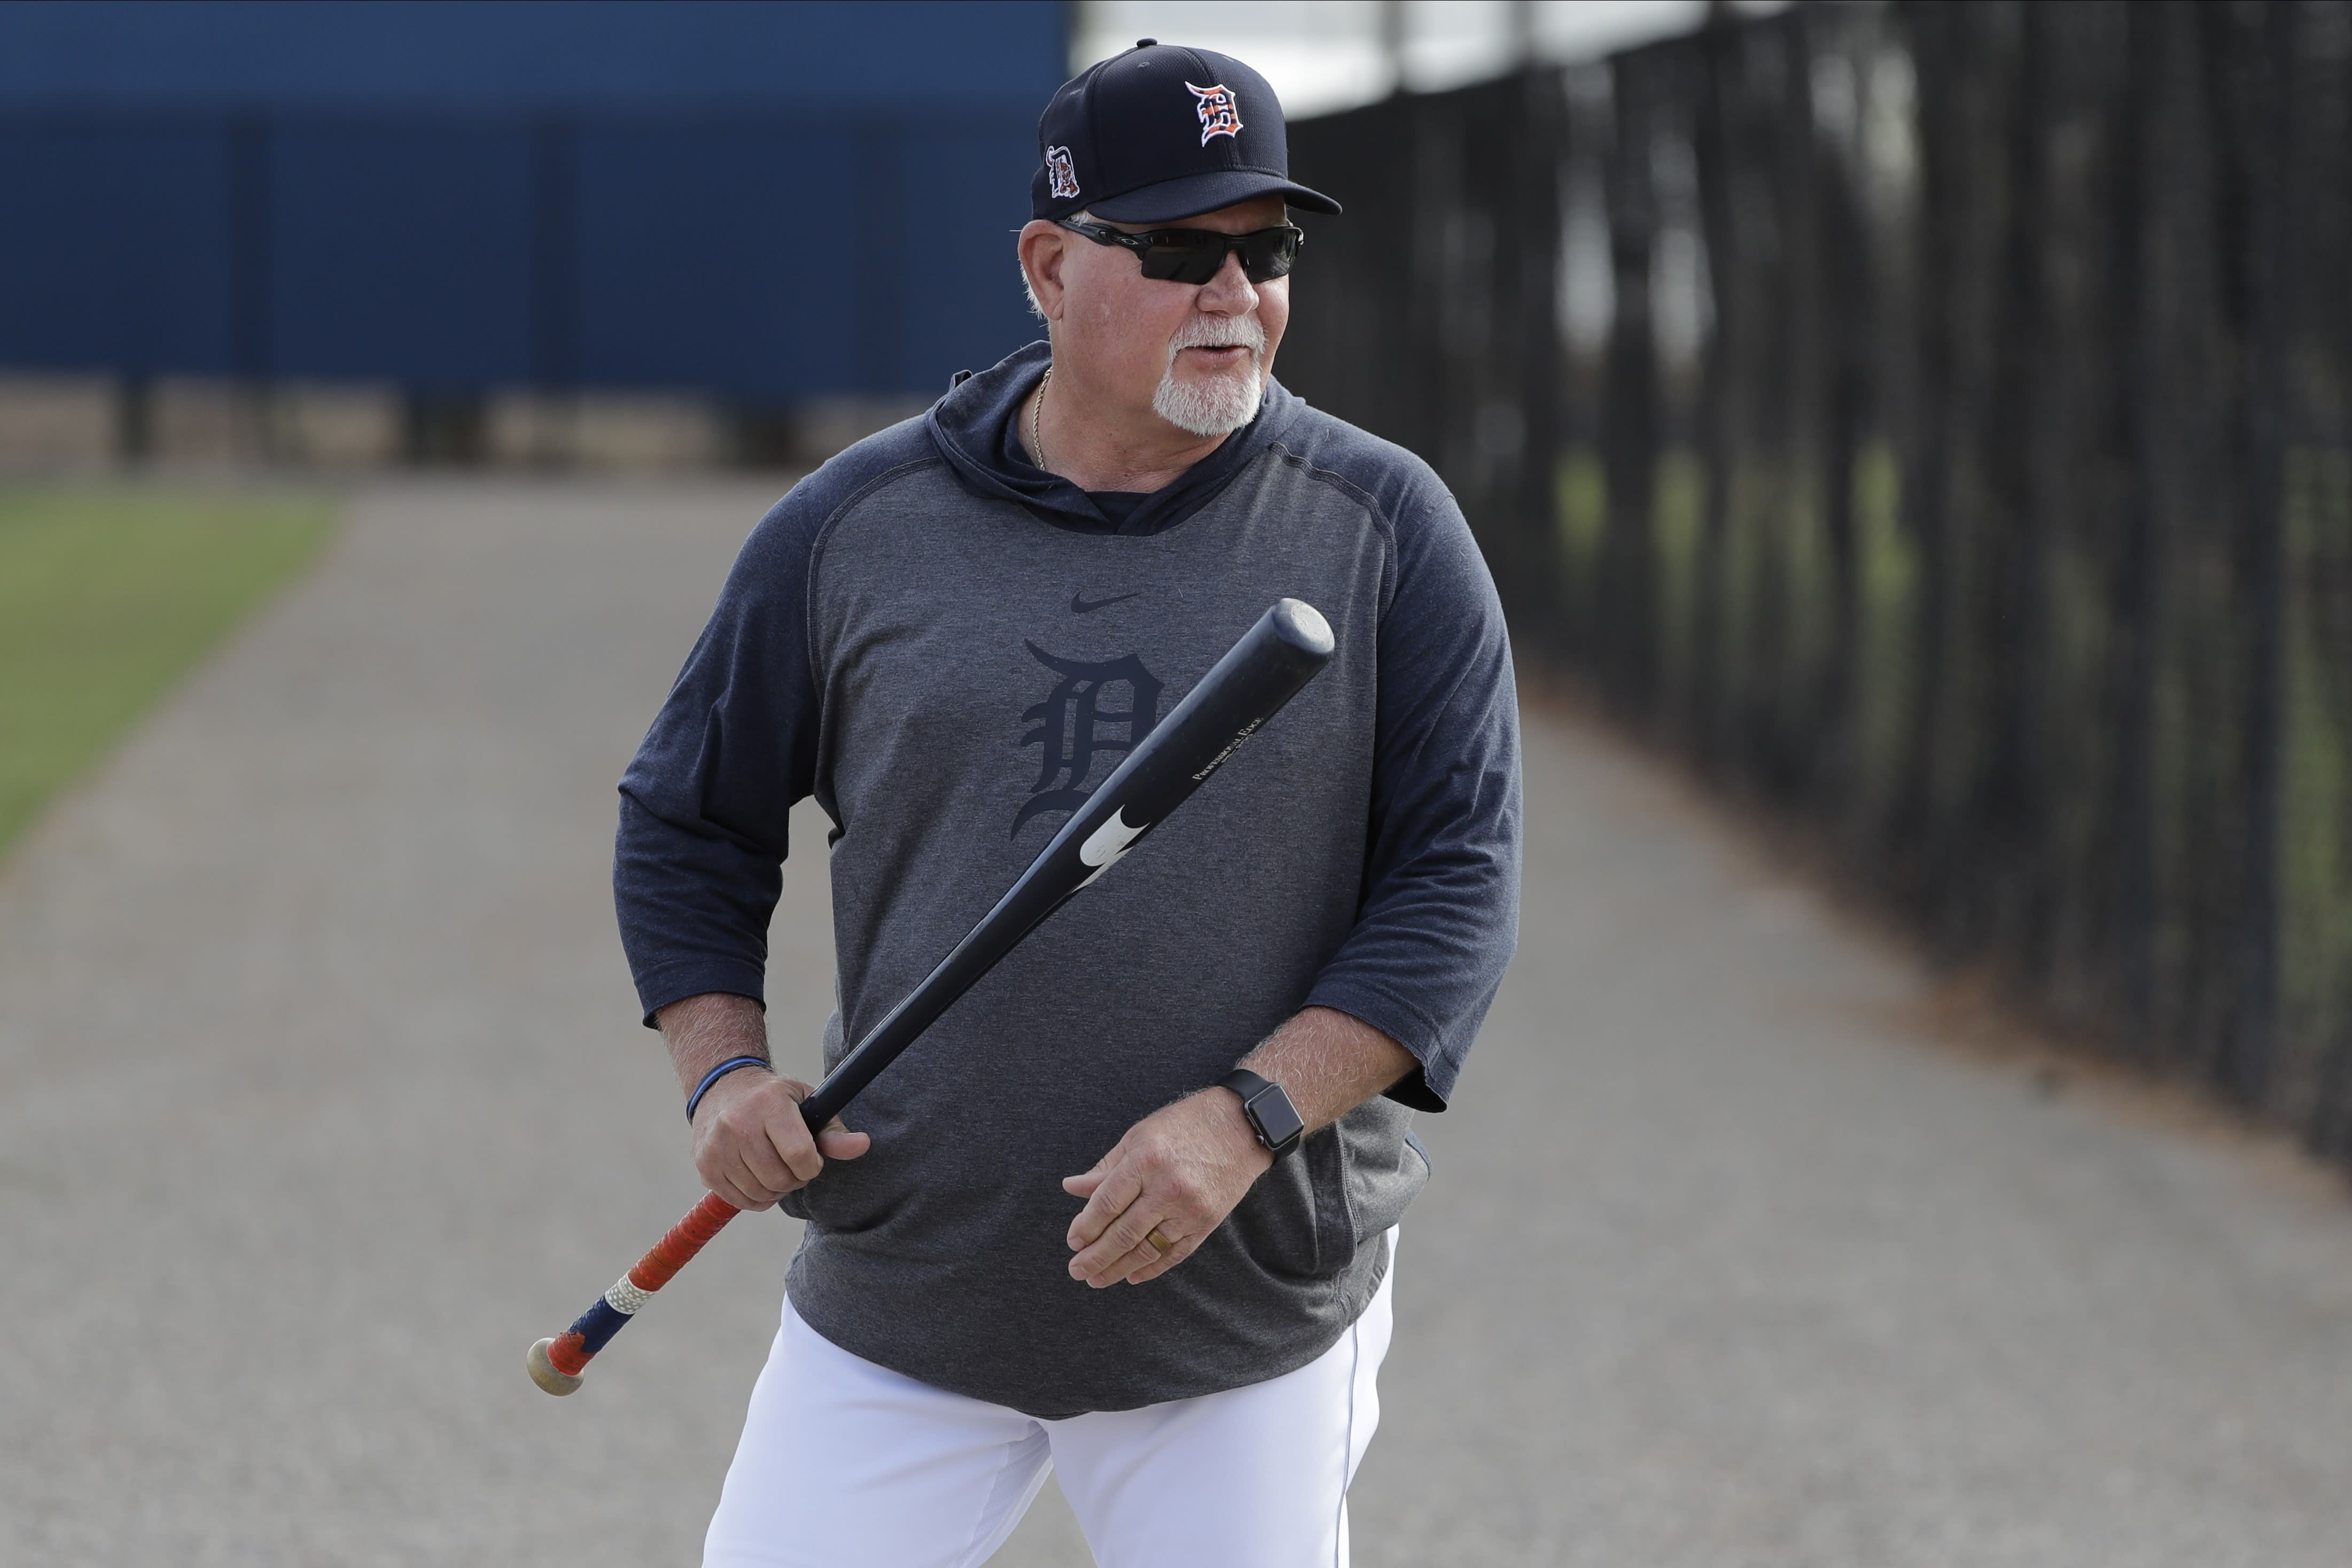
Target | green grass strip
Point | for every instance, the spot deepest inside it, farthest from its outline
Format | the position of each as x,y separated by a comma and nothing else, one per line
106,597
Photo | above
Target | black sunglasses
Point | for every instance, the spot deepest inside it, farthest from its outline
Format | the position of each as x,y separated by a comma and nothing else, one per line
1196,256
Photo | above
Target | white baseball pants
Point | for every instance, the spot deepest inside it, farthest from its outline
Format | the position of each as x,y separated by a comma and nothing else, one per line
844,1464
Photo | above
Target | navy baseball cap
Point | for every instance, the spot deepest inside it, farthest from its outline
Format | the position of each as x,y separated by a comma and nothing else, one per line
1159,133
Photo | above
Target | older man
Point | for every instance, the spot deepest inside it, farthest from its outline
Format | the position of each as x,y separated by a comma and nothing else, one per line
1128,1211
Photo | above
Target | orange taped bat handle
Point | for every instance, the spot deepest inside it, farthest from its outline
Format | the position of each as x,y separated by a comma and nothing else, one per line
569,1352
687,1237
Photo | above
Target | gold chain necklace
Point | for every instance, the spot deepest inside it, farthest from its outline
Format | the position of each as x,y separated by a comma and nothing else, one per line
1037,418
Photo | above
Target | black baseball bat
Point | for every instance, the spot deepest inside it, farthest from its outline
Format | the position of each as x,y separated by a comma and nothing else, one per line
1249,686
1274,660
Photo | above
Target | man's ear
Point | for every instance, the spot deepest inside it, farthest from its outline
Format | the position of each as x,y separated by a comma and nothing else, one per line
1044,248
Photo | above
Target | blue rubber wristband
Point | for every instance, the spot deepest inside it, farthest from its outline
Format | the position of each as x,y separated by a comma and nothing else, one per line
713,1076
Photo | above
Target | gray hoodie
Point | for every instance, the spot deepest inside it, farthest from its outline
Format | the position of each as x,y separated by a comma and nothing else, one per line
950,647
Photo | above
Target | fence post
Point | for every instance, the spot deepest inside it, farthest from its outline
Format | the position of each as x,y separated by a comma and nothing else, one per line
1915,829
1719,80
2319,572
1844,306
2257,129
2024,415
2140,546
1529,324
1628,436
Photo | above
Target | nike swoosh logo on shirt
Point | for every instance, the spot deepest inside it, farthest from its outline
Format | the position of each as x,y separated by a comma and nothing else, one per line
1078,606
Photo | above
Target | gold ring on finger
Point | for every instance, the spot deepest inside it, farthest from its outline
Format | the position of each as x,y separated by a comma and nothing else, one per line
1159,1244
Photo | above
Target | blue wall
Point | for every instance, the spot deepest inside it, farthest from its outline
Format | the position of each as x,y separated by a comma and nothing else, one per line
765,201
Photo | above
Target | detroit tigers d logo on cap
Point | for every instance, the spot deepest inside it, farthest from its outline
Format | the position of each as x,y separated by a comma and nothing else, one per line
1061,172
1220,114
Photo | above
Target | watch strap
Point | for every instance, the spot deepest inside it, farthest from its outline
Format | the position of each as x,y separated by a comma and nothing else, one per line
1253,1089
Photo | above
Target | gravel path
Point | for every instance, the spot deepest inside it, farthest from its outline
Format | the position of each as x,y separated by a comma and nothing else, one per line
321,1095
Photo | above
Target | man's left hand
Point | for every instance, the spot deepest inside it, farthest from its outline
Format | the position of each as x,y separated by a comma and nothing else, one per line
1179,1170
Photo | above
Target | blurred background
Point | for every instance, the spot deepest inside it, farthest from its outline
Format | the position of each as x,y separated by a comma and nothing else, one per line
366,234
1941,439
369,233
1912,441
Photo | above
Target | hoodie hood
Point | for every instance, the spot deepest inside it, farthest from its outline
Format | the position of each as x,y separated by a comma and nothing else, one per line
973,428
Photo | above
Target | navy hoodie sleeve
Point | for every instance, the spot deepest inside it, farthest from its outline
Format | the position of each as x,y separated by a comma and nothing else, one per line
1440,913
703,805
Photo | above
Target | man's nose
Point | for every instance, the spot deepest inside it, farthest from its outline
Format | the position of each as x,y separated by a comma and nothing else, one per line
1230,293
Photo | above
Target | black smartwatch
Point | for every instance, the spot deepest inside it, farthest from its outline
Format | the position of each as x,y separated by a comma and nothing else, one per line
1271,1116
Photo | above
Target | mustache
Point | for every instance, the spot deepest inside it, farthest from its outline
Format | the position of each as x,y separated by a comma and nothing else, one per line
1219,333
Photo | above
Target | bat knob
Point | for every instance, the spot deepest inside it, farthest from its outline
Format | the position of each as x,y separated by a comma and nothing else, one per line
543,1372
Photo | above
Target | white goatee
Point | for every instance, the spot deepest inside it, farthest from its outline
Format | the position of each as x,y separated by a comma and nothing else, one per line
1222,403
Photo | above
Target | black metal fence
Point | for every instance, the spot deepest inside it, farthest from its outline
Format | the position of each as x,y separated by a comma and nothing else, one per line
1935,419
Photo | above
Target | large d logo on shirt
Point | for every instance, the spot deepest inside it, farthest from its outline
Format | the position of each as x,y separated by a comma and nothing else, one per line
1072,727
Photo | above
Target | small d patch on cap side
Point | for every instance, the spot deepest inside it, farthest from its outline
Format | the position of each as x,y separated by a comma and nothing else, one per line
1060,173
